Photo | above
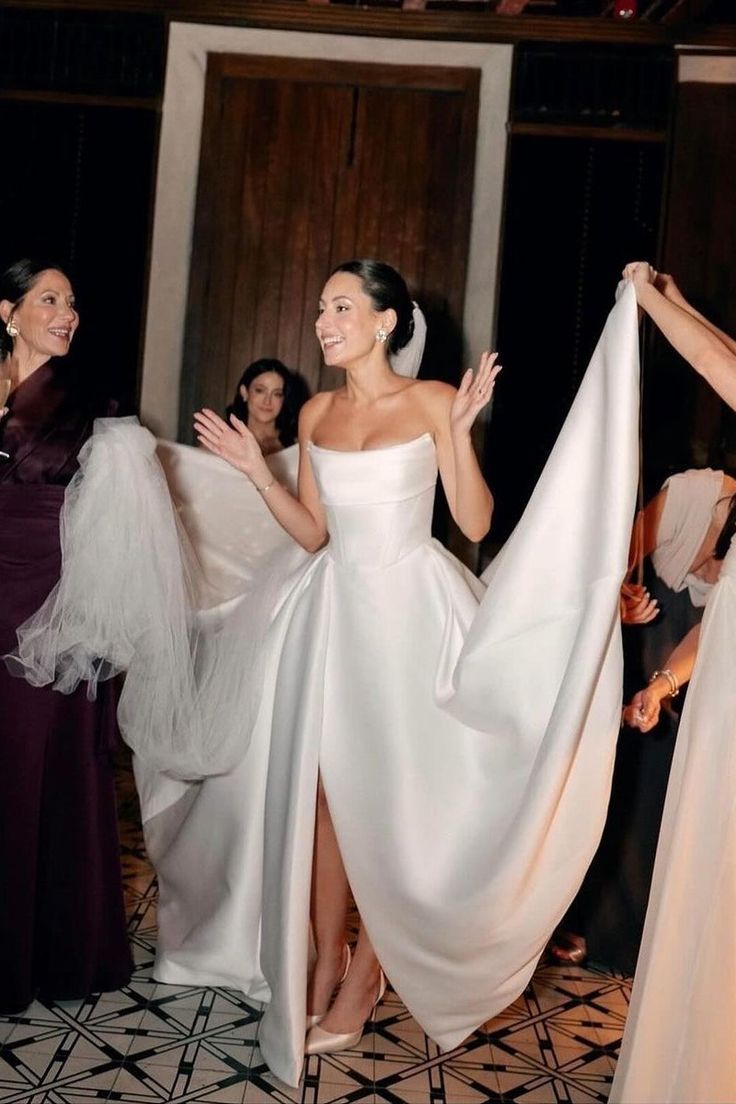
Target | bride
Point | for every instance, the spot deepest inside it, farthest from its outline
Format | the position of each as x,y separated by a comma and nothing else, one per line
365,314
370,767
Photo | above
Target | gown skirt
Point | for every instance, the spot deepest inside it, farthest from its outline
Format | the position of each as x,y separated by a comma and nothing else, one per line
465,749
464,730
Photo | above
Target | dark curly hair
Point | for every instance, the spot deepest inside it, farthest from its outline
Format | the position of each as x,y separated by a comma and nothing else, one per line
387,290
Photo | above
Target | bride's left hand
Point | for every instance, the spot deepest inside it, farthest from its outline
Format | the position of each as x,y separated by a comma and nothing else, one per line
473,393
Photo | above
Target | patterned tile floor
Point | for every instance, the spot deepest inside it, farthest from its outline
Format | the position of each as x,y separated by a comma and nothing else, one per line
150,1043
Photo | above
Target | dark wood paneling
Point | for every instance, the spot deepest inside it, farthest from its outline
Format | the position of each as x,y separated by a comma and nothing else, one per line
305,164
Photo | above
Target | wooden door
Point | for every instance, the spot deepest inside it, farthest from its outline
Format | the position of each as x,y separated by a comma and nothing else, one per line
305,164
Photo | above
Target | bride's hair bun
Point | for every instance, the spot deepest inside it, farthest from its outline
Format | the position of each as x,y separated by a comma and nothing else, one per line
387,291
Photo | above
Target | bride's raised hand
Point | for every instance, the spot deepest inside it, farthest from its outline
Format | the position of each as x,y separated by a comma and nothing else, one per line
474,393
234,443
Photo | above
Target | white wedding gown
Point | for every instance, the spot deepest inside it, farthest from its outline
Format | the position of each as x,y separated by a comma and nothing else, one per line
465,737
465,752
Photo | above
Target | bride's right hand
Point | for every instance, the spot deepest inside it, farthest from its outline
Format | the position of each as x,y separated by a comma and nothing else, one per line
234,443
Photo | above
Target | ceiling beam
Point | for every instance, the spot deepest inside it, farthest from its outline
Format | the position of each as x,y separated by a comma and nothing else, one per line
456,24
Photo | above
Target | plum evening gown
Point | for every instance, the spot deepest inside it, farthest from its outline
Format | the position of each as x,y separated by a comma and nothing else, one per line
62,921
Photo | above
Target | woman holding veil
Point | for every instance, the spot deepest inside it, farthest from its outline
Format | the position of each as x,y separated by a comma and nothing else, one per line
678,1044
62,921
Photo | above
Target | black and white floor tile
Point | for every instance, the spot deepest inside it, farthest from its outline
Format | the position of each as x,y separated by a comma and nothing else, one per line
150,1043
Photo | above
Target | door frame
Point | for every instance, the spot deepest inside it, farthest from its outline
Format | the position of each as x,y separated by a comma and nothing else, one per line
178,164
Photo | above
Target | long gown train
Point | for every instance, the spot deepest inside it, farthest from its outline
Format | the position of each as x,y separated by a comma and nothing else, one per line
465,739
465,750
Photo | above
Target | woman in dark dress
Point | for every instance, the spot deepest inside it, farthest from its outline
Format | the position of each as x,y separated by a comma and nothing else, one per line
62,924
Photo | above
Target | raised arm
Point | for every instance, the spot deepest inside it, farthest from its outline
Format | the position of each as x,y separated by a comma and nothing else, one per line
303,517
452,414
702,345
667,286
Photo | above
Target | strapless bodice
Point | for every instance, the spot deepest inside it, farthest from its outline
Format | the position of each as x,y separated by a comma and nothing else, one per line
378,502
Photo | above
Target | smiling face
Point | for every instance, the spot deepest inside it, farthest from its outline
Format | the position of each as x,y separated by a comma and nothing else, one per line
347,321
265,397
45,318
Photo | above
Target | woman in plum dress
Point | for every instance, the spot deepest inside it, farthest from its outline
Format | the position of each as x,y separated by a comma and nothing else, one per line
62,923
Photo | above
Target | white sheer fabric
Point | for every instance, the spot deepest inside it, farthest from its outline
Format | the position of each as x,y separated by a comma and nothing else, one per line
121,585
679,1041
408,360
128,596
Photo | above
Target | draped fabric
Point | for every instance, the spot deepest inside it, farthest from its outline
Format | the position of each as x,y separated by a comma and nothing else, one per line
127,596
466,814
678,1044
230,529
62,923
465,749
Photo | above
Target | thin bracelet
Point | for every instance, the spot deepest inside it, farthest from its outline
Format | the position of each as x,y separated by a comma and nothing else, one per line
264,490
671,679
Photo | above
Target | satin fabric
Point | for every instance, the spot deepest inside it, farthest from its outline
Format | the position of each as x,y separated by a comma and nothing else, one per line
465,750
678,1044
466,753
228,524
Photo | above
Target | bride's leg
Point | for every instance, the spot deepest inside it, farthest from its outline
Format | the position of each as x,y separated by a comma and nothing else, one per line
329,910
358,993
330,895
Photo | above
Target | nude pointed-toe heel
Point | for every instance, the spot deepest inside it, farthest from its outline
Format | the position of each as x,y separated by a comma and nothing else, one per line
320,1041
315,1018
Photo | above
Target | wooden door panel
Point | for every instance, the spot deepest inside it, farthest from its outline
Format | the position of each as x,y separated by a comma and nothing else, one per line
305,164
285,229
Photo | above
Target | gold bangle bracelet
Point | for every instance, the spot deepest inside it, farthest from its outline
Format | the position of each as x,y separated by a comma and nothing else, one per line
671,680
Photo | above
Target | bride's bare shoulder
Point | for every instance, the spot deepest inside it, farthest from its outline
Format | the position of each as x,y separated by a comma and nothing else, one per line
434,392
313,410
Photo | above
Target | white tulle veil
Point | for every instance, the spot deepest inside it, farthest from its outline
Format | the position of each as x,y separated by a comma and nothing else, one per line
134,596
407,361
126,602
